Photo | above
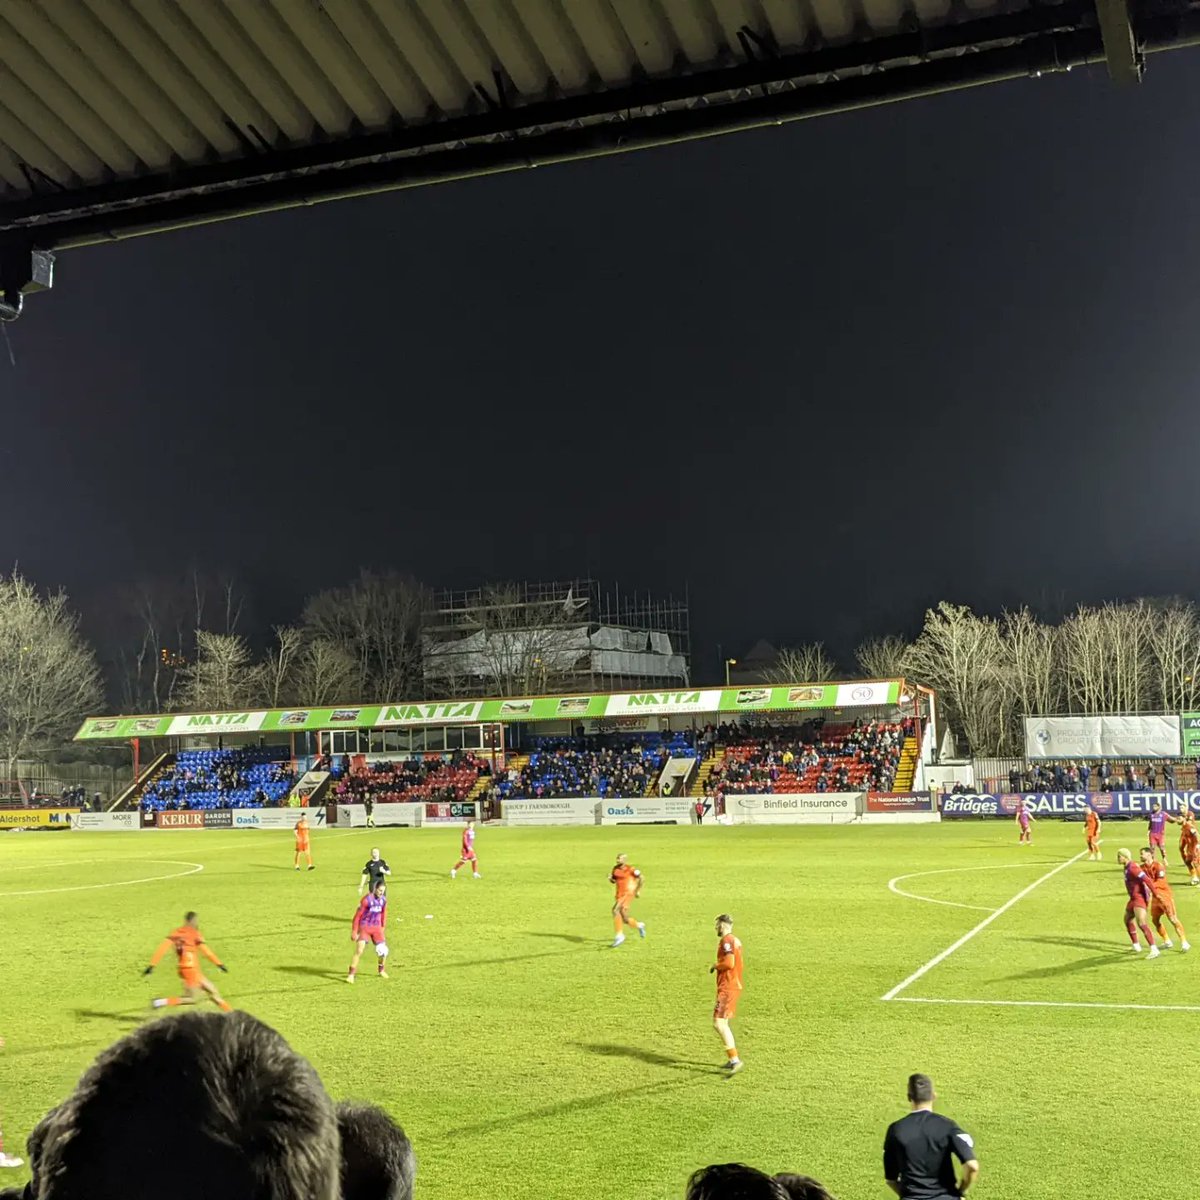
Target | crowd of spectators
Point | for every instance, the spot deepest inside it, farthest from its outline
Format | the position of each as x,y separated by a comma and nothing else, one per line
608,767
250,777
812,757
433,779
1102,775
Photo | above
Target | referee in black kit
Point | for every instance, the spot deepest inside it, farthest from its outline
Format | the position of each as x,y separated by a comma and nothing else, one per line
920,1149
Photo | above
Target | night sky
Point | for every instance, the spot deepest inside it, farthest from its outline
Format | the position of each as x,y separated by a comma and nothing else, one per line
822,375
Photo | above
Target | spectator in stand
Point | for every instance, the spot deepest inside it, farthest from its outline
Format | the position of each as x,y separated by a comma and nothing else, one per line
1014,779
1169,776
1085,777
1130,778
1151,776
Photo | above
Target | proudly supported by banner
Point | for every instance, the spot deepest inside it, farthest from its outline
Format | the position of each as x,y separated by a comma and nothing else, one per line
797,808
1102,737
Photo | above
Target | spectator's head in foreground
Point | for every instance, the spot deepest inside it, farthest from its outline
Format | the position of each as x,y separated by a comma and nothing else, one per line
377,1158
198,1105
802,1187
733,1181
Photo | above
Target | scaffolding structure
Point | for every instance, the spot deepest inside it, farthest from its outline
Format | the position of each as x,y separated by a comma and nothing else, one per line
540,637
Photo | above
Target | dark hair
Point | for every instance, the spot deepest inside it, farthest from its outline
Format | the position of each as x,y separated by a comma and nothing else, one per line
377,1158
802,1187
920,1089
191,916
733,1181
222,1090
725,918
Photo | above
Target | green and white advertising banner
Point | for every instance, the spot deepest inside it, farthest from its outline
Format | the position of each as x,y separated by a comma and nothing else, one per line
714,702
1189,731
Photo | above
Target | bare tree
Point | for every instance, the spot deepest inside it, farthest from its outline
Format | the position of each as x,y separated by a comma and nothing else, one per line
1107,658
520,646
275,677
376,620
962,656
48,674
801,664
222,677
157,636
1031,653
325,674
882,657
1175,653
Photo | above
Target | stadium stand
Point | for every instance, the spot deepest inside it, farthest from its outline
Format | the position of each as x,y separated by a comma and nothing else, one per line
394,781
255,777
603,766
813,757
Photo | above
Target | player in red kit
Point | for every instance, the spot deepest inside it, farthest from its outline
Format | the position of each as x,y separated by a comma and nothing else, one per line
1137,884
1024,817
467,854
1163,902
370,919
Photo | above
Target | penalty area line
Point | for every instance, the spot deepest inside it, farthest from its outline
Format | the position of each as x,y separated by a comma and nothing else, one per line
941,957
1052,1004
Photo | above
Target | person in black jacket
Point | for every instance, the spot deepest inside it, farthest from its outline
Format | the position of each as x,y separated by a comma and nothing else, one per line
920,1149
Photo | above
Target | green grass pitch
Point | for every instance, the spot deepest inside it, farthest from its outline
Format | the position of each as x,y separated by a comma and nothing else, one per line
527,1059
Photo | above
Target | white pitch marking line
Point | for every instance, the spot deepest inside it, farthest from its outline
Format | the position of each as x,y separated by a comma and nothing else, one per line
951,871
966,937
1053,1004
193,869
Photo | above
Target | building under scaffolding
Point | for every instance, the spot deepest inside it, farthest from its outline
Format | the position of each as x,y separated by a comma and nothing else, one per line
538,638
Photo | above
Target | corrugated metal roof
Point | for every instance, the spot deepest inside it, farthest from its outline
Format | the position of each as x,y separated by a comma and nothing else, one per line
108,106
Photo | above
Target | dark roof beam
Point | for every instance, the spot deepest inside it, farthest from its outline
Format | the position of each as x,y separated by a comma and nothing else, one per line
1125,62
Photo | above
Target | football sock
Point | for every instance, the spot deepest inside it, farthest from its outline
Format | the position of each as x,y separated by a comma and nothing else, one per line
1149,935
1132,930
224,1006
617,923
731,1052
173,1001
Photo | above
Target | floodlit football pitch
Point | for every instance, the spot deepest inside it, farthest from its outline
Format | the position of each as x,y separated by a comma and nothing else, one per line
528,1059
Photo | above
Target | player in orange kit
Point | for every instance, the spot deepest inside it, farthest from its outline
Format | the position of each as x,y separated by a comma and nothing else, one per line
1189,845
189,944
728,968
302,843
1163,902
628,881
1091,832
